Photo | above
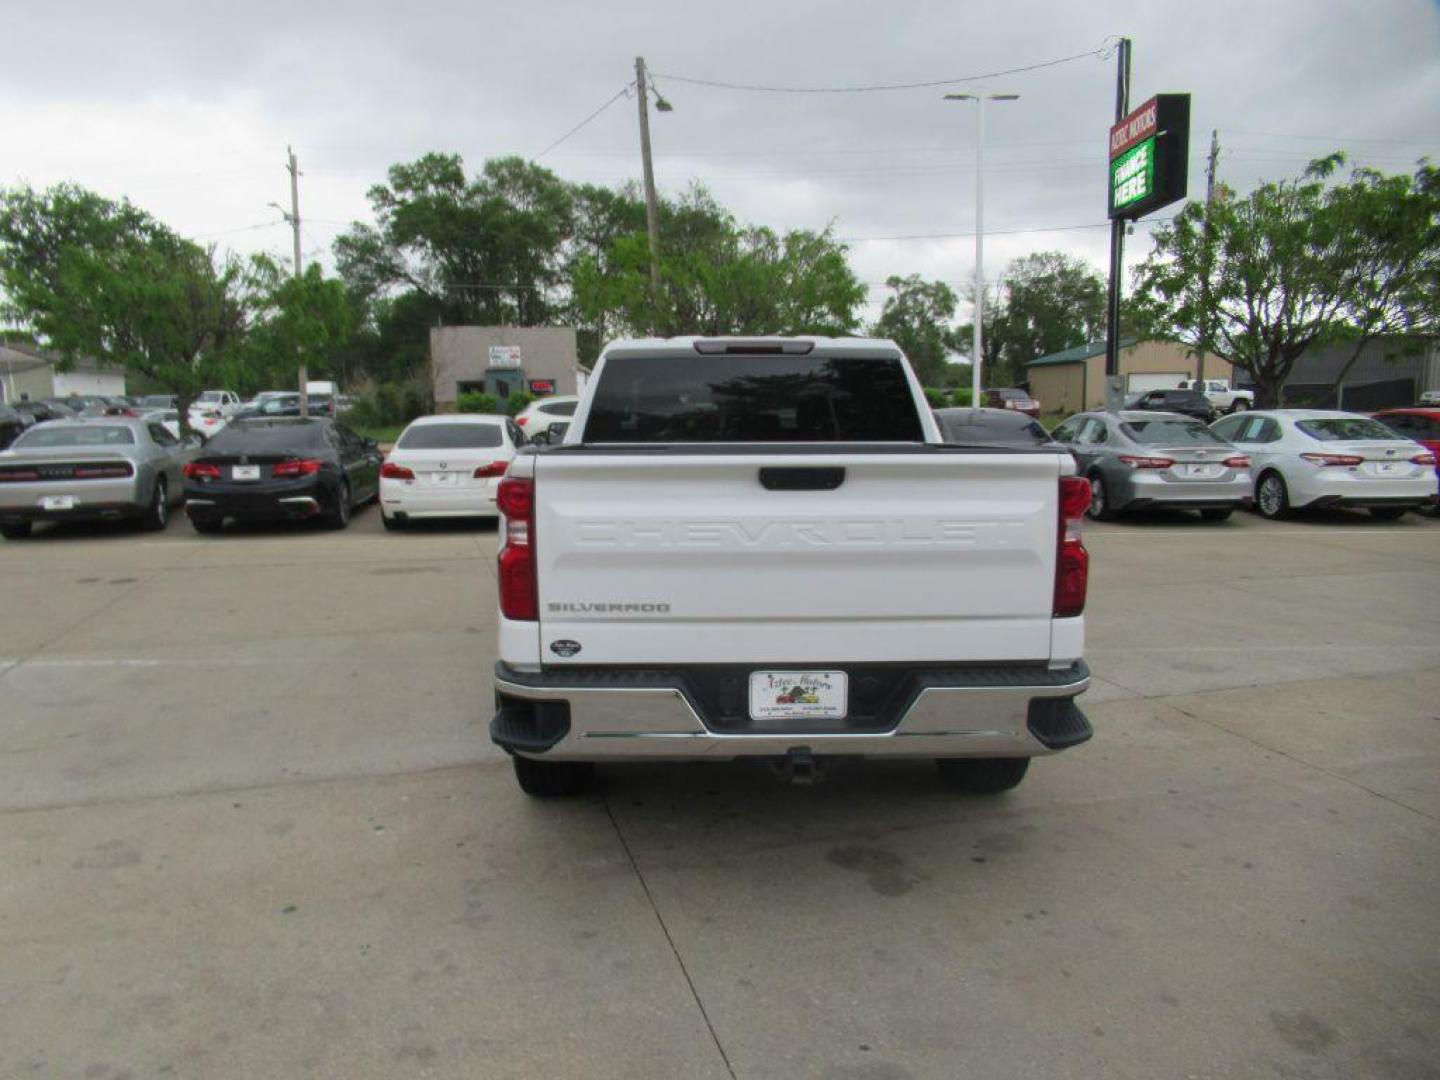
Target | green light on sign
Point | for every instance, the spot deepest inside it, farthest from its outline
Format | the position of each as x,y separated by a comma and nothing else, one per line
1132,174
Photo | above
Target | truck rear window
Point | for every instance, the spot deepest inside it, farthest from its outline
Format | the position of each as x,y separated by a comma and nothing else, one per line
763,399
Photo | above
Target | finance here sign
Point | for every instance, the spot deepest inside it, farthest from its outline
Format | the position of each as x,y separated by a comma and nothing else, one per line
1150,156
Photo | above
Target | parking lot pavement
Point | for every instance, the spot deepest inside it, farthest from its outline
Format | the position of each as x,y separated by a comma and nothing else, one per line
250,826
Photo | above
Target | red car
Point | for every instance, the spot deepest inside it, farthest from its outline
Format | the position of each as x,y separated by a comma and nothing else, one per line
1011,397
1420,424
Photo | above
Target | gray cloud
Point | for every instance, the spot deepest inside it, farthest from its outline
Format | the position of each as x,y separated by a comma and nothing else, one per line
188,108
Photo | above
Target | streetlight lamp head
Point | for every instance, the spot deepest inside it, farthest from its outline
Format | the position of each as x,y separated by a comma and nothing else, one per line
1004,97
961,97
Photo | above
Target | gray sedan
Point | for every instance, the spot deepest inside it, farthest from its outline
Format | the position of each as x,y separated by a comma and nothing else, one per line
85,469
1155,459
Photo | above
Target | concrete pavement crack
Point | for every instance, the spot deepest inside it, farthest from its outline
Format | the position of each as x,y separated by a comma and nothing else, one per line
670,940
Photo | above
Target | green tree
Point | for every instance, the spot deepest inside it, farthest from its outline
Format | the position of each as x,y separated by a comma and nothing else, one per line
488,249
1044,303
917,317
307,318
1295,264
718,277
103,279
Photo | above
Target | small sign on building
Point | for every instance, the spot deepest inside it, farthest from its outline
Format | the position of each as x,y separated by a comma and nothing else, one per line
542,386
505,356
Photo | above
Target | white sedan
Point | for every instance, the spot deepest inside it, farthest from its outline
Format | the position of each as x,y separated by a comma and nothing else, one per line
447,467
1309,458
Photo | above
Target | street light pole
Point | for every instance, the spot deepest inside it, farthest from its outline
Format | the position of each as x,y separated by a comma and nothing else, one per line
977,337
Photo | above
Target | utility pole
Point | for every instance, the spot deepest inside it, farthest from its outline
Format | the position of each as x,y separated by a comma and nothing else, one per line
294,169
652,209
1205,335
1117,239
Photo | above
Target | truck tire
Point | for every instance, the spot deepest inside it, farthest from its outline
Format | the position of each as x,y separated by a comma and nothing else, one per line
551,779
1239,405
982,776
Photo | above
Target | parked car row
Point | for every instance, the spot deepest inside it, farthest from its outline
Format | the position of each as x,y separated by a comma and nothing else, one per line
1278,460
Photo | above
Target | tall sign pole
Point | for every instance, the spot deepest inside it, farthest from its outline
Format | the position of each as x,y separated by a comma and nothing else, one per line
1117,244
1205,335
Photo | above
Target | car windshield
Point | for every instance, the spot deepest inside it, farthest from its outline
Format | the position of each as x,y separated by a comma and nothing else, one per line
743,398
458,436
65,435
1169,432
267,436
210,396
1345,428
990,427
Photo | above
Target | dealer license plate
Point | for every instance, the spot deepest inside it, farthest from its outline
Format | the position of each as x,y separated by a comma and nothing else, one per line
57,502
442,479
244,472
798,695
1202,472
1387,467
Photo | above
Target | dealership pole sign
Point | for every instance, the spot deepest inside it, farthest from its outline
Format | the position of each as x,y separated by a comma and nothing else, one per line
1150,156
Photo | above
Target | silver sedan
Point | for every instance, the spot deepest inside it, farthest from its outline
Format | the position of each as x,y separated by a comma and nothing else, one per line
1155,459
107,467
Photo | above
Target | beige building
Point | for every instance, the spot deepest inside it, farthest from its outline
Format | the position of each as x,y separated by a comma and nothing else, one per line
29,374
1074,380
503,360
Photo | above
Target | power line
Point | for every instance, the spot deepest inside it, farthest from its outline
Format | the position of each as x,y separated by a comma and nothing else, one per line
622,92
1098,54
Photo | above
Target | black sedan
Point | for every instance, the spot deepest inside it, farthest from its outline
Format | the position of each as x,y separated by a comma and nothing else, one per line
41,411
1186,402
273,469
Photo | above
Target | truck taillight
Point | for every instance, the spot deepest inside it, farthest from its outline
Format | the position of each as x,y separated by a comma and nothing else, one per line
1072,561
519,591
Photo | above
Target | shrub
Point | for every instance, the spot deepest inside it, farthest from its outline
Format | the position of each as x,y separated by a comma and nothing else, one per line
962,395
935,397
515,403
476,402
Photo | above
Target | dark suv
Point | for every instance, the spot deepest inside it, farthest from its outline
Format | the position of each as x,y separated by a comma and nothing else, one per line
1189,402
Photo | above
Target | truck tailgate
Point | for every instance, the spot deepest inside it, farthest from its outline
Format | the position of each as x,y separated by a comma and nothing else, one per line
918,555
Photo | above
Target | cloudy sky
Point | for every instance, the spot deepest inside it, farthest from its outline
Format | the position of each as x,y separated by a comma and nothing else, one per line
187,107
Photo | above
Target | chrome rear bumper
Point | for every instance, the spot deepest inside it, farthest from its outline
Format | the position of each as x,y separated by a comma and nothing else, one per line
1020,711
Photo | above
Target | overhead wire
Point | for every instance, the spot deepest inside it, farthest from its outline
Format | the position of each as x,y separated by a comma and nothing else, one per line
1098,54
624,91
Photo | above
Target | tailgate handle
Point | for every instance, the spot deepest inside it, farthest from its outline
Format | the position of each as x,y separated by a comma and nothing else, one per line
802,478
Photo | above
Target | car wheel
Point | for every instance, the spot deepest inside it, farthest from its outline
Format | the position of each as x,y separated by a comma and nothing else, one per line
207,526
1388,513
1217,513
982,776
339,515
391,524
1272,498
157,516
1239,406
551,779
1100,508
18,530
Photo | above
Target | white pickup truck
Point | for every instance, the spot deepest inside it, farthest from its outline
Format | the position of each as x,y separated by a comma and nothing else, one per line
1221,394
764,548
